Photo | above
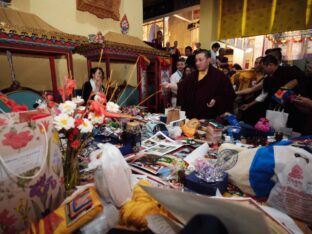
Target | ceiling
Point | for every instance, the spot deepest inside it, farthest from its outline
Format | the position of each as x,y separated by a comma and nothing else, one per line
155,8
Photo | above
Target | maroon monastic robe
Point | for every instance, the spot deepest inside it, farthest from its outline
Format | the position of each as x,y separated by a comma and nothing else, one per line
193,95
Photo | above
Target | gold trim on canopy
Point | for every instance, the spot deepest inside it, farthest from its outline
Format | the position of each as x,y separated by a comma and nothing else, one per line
120,41
22,23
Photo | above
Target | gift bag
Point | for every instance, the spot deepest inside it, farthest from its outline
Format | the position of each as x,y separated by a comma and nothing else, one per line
173,114
31,172
277,118
292,193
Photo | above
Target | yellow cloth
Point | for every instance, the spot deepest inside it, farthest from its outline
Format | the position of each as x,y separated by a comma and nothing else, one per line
57,221
202,74
245,78
133,213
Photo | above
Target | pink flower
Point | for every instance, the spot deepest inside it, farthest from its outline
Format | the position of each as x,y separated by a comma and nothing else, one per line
17,140
263,125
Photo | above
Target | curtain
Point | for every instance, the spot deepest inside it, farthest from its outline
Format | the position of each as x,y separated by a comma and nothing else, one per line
258,17
244,18
289,16
231,19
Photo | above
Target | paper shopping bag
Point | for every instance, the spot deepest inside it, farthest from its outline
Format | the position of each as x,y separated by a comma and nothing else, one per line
31,172
172,115
278,119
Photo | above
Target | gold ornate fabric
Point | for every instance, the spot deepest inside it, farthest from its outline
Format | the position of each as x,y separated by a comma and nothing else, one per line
258,17
289,15
22,23
231,18
243,18
100,8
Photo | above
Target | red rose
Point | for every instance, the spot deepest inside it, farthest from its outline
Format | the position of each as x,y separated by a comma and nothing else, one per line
75,144
75,131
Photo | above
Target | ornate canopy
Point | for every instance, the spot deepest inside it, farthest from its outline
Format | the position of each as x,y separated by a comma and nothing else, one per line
25,28
116,43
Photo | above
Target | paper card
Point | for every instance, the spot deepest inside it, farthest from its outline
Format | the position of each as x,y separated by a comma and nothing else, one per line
25,160
237,218
198,153
158,138
159,224
161,149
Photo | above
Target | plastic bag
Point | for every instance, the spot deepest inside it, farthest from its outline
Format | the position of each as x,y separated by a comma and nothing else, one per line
112,175
104,222
278,119
292,193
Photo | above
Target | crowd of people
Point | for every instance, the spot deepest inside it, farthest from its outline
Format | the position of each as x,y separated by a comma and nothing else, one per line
206,86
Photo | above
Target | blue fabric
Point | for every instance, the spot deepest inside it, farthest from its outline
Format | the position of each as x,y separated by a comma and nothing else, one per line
262,170
25,97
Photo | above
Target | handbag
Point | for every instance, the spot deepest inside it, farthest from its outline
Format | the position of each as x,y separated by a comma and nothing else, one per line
31,172
277,118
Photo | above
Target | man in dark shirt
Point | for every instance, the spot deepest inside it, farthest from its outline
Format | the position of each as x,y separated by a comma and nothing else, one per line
222,61
279,77
206,93
190,61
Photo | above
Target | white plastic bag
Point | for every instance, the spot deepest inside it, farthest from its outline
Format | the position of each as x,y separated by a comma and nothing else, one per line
278,119
112,175
292,192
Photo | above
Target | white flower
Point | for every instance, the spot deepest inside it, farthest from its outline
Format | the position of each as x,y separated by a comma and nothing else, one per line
63,121
96,119
67,107
112,107
86,126
78,100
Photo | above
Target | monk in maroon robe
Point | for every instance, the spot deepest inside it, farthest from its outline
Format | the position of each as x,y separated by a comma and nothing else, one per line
206,93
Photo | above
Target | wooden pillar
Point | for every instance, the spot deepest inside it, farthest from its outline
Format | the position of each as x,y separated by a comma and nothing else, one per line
209,19
53,77
89,66
107,63
70,66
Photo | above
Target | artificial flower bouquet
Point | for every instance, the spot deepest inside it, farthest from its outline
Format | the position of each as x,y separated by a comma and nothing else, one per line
76,125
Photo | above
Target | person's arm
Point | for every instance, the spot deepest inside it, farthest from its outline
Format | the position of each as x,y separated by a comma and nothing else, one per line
248,105
303,102
172,86
251,90
260,98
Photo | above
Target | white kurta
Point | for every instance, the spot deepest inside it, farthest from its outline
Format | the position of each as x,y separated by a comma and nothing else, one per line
213,60
175,78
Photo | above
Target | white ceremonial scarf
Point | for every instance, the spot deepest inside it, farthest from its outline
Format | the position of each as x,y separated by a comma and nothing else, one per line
94,87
